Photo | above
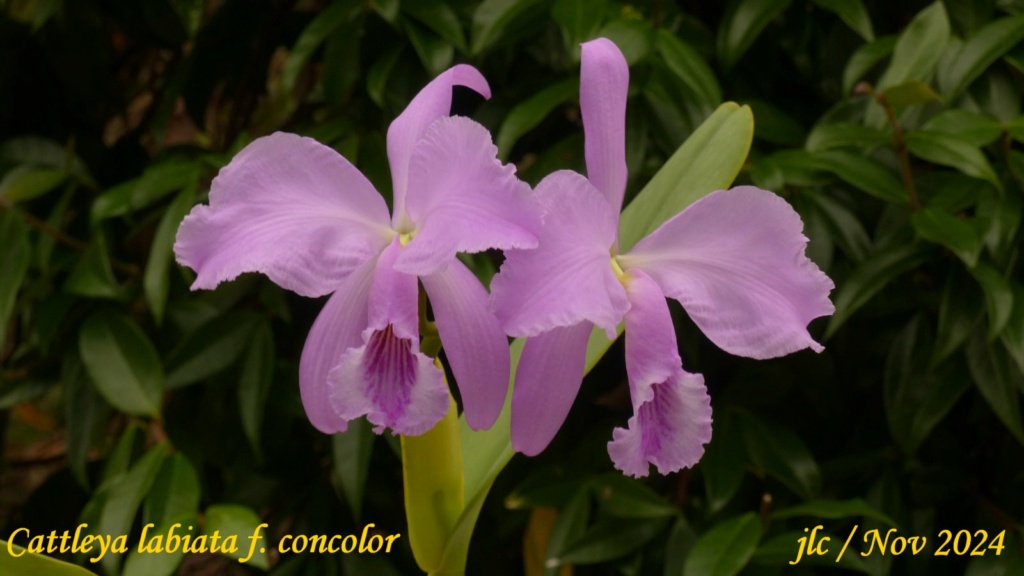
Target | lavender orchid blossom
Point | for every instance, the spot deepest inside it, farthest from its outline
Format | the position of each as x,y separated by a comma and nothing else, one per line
734,259
300,213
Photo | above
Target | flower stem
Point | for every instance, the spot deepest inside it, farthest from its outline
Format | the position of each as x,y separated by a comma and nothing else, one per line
901,148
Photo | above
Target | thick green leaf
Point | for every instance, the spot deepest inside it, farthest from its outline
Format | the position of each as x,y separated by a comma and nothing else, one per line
124,496
156,279
93,275
14,259
579,19
774,125
843,227
1013,335
853,13
254,384
960,309
864,59
725,549
780,453
624,497
122,363
312,37
175,491
975,55
435,53
529,113
26,182
352,451
918,397
635,38
781,550
685,62
723,464
972,127
84,413
919,47
864,174
157,181
1015,128
378,74
743,22
998,380
15,560
998,297
827,136
492,17
164,563
439,17
833,509
709,160
610,539
869,278
952,151
388,9
569,527
433,482
40,152
910,93
954,233
213,347
242,522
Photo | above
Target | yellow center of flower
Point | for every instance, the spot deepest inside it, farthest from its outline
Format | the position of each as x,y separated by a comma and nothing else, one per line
619,272
405,238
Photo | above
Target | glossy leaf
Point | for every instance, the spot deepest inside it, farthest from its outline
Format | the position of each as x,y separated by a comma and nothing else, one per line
93,276
435,53
211,348
954,152
156,278
911,93
84,412
864,174
725,549
948,230
624,497
918,48
979,52
709,160
312,37
998,297
439,17
570,525
869,278
834,509
242,522
610,539
960,310
853,13
492,17
352,451
998,381
1013,335
972,127
16,560
865,58
827,136
124,496
780,453
157,181
723,465
579,19
27,182
685,62
529,113
122,363
254,383
743,22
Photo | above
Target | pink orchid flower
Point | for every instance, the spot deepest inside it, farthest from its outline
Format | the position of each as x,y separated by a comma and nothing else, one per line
734,259
300,213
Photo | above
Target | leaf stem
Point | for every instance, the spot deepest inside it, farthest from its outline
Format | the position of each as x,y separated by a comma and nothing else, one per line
901,148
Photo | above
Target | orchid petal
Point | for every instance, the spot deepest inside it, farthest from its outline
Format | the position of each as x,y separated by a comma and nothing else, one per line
671,410
337,328
432,102
475,345
462,199
288,207
548,377
388,379
735,261
604,84
568,278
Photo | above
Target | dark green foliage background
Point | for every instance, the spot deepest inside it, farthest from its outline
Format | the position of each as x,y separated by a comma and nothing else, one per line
125,398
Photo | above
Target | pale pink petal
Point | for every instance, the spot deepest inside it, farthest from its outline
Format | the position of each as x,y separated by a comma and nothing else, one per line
475,345
288,207
735,261
604,84
433,101
548,377
671,419
338,328
462,199
568,278
388,379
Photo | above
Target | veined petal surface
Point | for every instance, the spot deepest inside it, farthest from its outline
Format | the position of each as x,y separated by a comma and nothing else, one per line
461,198
291,208
388,379
604,86
338,328
568,278
548,377
432,102
475,345
671,419
735,261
